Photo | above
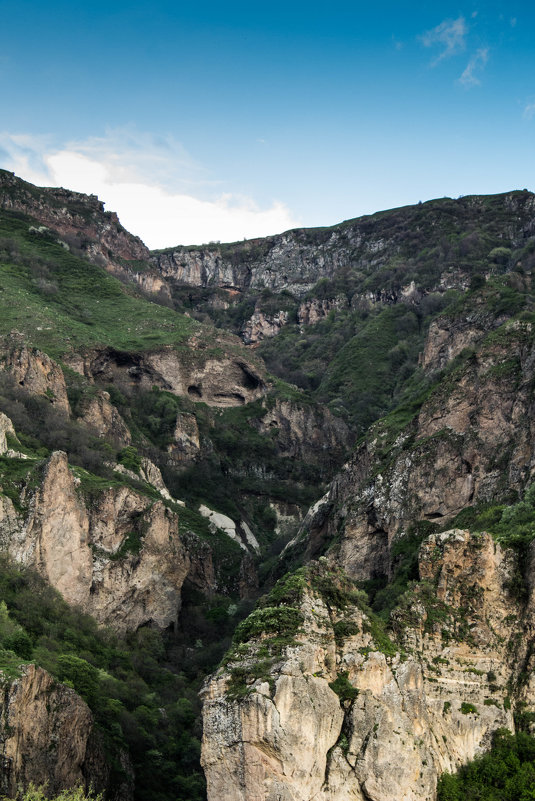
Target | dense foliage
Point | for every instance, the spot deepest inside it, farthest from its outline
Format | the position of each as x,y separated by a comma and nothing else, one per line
506,773
142,688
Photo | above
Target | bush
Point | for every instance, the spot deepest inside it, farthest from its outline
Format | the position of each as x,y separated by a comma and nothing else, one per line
343,688
280,620
468,709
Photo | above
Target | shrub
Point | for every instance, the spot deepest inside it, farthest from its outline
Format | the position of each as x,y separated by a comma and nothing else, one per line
343,688
505,773
281,620
468,709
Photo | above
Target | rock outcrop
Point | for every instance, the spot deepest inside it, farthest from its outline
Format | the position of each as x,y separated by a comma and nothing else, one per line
101,416
296,260
313,310
49,737
37,373
240,533
186,440
79,218
224,381
310,433
115,552
472,441
345,712
6,429
261,326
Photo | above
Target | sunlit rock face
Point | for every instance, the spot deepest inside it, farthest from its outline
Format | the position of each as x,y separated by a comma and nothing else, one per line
344,713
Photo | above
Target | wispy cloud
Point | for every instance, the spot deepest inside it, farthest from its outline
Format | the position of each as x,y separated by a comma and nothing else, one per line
450,36
160,192
529,109
474,67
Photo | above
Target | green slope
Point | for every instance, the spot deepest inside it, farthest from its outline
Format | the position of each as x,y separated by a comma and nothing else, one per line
61,302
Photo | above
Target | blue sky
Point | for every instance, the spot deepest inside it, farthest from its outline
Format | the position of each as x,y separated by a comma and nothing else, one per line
217,121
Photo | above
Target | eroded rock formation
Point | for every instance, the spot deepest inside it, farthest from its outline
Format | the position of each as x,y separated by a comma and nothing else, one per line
37,373
50,738
347,713
224,381
472,440
116,553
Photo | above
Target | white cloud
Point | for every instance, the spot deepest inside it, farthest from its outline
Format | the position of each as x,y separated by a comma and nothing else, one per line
450,35
475,65
529,110
157,189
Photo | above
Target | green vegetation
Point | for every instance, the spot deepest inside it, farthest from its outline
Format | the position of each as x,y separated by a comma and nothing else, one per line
281,620
506,773
141,688
468,709
343,688
355,361
34,793
226,475
130,459
60,301
360,359
344,629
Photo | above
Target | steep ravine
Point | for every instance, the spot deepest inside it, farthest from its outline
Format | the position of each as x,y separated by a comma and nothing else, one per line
319,697
470,441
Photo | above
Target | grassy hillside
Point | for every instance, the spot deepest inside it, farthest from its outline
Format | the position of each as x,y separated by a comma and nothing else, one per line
61,302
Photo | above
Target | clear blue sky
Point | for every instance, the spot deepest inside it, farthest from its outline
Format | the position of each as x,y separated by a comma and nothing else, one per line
267,114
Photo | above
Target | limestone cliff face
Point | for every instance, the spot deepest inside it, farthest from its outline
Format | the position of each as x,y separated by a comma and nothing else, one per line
262,326
6,428
101,416
117,553
407,708
186,439
312,311
296,260
50,737
225,381
311,434
447,338
471,441
36,372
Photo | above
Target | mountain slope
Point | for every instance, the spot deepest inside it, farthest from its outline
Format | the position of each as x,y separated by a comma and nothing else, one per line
169,418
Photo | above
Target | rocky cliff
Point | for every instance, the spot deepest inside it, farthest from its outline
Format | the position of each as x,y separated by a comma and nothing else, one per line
225,381
296,260
116,553
317,701
49,737
79,218
156,467
471,441
35,371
